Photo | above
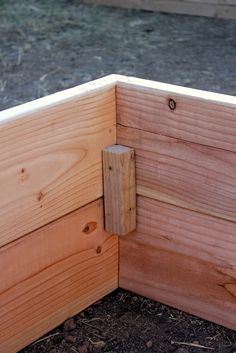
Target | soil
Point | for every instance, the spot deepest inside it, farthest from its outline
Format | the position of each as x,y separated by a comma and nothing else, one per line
126,323
49,45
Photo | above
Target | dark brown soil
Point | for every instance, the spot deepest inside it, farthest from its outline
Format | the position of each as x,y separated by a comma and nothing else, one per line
49,45
127,323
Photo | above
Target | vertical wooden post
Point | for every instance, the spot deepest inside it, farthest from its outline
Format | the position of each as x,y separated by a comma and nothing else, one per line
119,189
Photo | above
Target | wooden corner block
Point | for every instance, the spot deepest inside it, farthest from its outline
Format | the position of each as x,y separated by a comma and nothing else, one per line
119,189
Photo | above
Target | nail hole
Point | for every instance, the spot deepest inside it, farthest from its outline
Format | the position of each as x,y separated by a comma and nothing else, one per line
110,168
23,174
172,104
40,196
99,250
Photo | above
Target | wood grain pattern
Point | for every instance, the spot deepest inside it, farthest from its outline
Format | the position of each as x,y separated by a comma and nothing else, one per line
212,8
50,162
200,117
183,259
53,273
184,142
182,173
119,189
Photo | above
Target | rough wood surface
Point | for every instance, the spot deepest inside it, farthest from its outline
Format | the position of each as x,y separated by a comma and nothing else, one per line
200,117
119,189
183,251
53,273
183,259
212,8
50,162
182,173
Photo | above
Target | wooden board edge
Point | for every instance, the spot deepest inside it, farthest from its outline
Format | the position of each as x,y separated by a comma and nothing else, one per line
113,80
58,98
155,86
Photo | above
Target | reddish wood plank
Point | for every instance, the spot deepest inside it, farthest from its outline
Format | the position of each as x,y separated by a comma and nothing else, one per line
182,173
200,117
53,273
183,259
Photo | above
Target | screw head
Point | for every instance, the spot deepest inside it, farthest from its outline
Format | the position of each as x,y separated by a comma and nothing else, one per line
99,250
172,104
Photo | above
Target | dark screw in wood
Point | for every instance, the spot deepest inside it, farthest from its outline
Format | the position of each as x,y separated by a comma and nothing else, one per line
172,104
99,249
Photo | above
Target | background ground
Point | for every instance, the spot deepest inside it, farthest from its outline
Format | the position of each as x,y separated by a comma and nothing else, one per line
50,45
47,46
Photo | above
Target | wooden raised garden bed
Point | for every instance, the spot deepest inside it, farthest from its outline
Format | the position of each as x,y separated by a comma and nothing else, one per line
56,258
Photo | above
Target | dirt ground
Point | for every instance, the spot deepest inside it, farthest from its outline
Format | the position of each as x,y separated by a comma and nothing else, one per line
50,45
126,323
47,46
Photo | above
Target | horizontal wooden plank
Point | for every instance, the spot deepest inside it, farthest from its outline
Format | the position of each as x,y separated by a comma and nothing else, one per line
50,162
196,116
183,259
212,8
182,173
53,273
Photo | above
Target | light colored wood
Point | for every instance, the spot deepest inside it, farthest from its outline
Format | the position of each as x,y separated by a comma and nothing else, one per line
53,273
201,117
212,8
119,189
183,259
185,174
50,162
